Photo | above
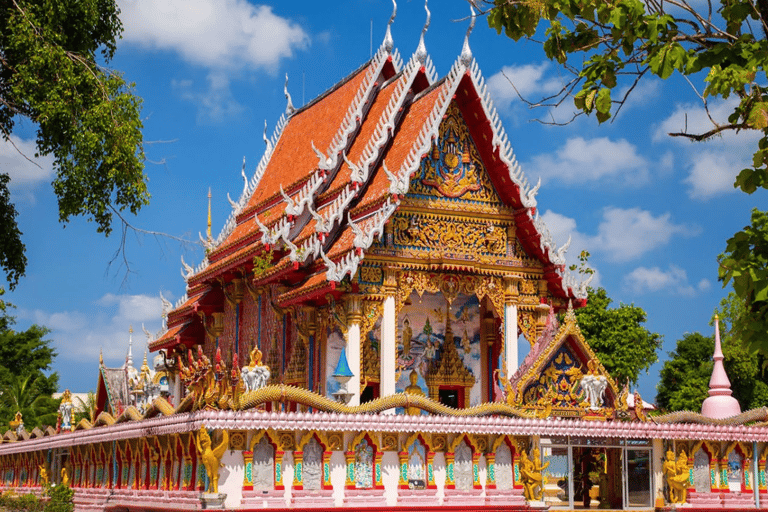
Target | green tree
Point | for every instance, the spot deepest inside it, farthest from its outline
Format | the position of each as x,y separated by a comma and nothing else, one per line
29,396
86,116
684,378
744,264
85,409
611,46
26,379
618,337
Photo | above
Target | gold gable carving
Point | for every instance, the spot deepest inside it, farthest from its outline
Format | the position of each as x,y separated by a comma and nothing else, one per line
453,169
555,383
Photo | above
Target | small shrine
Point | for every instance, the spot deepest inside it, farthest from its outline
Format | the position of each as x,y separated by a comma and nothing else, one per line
350,340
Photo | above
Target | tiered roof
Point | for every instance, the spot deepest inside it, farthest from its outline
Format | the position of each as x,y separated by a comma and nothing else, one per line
336,170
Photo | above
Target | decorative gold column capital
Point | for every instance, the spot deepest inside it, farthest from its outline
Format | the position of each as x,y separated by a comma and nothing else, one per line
511,289
390,281
354,308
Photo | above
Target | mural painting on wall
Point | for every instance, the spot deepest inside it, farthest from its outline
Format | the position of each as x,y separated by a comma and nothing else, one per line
416,474
422,328
364,465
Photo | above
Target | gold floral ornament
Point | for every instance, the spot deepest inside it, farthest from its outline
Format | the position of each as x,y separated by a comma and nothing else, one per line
211,457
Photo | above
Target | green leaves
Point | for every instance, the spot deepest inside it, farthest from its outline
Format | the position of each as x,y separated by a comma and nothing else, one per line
87,117
744,265
617,335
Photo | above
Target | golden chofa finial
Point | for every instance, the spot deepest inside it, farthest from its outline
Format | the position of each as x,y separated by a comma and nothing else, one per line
208,230
101,357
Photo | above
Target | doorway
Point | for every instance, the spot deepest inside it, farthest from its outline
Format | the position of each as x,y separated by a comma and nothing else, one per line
597,478
597,473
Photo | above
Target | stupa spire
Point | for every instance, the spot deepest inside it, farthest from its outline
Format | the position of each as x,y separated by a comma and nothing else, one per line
129,356
719,403
208,230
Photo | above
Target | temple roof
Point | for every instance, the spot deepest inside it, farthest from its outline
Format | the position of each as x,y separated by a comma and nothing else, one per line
336,170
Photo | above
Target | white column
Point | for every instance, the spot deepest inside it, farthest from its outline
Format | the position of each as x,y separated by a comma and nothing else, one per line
510,338
353,347
388,344
388,349
511,295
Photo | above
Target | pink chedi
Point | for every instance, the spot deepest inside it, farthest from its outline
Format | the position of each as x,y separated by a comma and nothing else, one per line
719,404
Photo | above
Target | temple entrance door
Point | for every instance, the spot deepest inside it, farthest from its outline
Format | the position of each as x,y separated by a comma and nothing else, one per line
597,478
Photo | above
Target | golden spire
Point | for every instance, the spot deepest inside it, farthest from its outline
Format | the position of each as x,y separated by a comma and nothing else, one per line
101,357
208,231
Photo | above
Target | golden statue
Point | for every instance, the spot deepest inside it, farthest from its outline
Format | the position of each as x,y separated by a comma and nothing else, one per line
43,475
64,477
211,457
407,336
414,389
531,475
676,472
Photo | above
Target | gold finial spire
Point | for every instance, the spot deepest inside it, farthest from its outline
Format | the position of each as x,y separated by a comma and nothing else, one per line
101,356
130,329
208,231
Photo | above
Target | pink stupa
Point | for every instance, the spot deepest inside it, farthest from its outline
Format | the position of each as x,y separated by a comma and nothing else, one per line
719,404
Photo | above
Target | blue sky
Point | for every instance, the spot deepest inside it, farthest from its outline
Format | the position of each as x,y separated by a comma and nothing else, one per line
653,211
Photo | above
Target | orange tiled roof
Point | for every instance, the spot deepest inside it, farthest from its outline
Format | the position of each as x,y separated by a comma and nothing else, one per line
293,158
407,131
362,139
293,162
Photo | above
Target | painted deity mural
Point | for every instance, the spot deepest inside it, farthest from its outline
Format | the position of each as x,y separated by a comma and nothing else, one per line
427,324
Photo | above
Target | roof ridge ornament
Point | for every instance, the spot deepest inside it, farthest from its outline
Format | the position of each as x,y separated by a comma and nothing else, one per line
389,43
466,51
289,108
421,50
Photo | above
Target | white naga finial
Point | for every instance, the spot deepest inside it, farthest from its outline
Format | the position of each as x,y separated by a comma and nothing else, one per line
188,271
466,51
389,43
421,50
266,140
245,178
289,109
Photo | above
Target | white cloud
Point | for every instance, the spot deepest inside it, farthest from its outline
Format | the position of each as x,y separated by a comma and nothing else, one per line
533,83
627,234
218,34
527,80
592,160
650,280
79,335
215,105
15,156
622,235
712,164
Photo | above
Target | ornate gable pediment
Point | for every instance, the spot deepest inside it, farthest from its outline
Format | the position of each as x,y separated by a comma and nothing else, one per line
566,379
452,210
453,170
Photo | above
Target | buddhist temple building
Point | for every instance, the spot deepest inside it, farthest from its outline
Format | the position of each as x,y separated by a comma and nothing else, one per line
350,340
